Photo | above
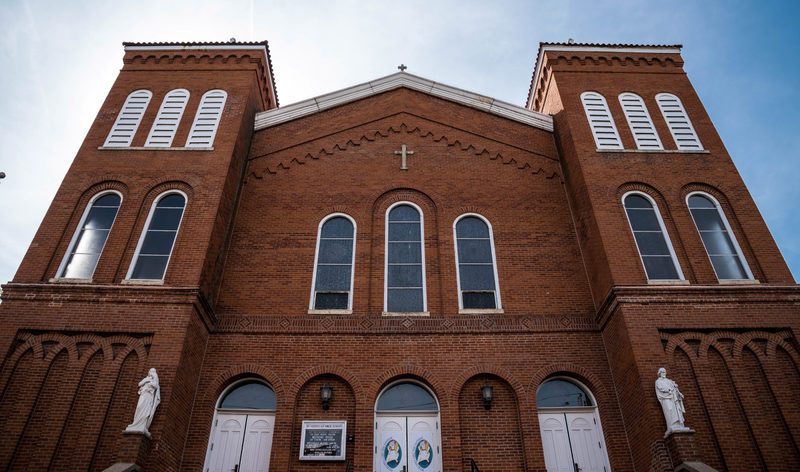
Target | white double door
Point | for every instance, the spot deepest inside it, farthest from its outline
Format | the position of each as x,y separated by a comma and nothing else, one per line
240,443
407,444
573,442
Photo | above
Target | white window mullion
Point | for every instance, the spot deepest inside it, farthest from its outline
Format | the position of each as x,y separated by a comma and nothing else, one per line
206,121
639,121
124,129
678,122
169,117
600,121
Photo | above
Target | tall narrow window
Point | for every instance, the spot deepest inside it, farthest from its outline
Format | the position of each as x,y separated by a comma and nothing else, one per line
475,264
678,121
90,237
644,133
128,120
155,244
720,243
333,276
600,121
405,260
652,239
168,119
207,119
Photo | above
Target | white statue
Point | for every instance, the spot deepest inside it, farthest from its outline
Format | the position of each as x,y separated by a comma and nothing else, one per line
671,402
149,398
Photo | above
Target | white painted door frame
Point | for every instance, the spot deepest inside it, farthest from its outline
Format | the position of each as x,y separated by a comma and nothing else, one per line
417,434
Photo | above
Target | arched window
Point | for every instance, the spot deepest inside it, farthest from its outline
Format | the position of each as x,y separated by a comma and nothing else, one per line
644,133
406,396
168,119
333,274
678,122
560,393
475,263
242,429
90,237
121,134
207,119
652,239
404,276
718,239
600,121
156,242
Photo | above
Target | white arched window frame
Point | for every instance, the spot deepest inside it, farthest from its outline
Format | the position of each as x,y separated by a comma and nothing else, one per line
124,129
664,233
146,228
207,118
312,303
386,255
600,121
80,228
728,230
498,304
639,121
169,117
680,126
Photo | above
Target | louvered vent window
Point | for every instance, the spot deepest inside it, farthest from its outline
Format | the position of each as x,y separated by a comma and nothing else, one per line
678,122
169,116
639,121
600,121
128,120
207,118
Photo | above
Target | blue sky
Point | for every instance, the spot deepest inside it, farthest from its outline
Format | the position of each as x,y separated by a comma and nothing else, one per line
59,59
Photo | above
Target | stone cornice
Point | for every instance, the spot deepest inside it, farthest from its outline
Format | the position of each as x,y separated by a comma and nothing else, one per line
695,295
402,79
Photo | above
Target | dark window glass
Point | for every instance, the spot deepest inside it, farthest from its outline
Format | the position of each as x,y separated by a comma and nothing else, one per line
475,263
479,300
334,264
650,239
331,301
249,396
717,240
83,256
561,393
159,239
406,396
404,255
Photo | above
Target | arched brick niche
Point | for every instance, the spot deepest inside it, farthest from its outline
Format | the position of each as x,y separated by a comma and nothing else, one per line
492,438
308,407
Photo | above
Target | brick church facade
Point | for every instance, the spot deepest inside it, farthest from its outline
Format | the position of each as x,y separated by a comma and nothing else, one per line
476,285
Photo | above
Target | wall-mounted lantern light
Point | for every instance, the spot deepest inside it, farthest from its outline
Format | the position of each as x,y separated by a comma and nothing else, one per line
486,393
325,394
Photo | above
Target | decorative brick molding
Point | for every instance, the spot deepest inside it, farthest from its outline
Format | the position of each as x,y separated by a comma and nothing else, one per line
489,369
594,384
348,377
409,371
239,372
404,128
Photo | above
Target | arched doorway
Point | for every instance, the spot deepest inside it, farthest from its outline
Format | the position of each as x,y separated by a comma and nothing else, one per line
572,436
407,429
241,433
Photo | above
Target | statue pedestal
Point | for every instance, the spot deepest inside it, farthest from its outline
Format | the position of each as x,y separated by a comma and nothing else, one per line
683,453
133,449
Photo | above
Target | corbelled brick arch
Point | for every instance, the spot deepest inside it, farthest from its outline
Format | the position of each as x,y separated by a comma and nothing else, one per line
519,159
569,369
410,371
228,376
339,371
487,368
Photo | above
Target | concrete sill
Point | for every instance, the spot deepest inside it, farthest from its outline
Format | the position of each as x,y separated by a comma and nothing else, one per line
330,312
480,311
142,282
668,282
60,280
739,282
147,148
655,151
401,314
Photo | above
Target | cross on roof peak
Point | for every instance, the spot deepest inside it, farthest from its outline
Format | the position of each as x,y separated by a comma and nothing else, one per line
402,67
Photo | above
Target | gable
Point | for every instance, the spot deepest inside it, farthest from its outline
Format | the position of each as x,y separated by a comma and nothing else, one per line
402,79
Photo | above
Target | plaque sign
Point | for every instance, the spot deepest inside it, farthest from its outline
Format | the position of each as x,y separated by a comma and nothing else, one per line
323,441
